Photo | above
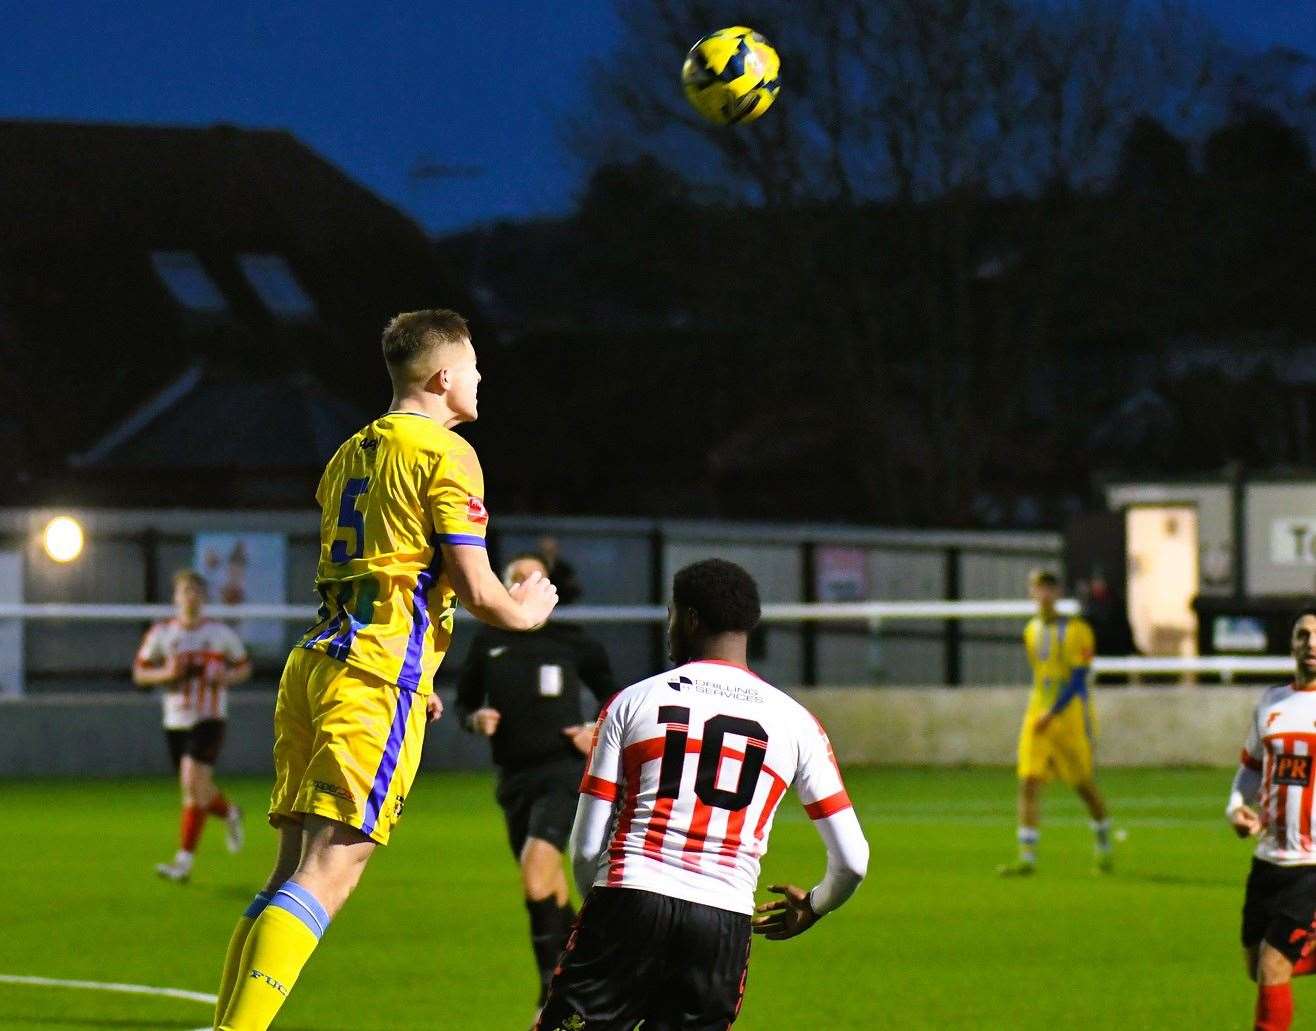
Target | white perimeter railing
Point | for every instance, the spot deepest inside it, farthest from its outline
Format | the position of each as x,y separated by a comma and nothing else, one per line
872,613
821,612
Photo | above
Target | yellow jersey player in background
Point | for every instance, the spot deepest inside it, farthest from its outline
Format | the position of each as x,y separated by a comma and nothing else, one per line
402,533
1057,737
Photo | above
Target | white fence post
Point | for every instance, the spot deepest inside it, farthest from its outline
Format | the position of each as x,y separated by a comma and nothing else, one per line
11,630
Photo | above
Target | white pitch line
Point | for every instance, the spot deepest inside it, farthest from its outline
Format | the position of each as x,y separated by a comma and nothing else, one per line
109,986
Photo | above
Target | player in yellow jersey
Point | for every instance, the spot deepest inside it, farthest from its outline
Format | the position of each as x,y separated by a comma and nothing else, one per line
1056,740
401,542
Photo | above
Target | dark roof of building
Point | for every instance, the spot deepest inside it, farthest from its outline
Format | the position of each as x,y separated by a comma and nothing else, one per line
132,254
166,186
211,419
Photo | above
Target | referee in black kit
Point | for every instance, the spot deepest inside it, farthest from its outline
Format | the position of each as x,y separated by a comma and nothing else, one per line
522,691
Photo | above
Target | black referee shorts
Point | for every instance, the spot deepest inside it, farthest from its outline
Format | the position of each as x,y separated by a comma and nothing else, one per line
202,742
636,955
540,802
1279,907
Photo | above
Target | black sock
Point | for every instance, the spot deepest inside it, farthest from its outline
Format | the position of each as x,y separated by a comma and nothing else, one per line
549,926
566,917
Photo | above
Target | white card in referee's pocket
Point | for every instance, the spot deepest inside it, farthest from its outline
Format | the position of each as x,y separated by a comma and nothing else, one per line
550,681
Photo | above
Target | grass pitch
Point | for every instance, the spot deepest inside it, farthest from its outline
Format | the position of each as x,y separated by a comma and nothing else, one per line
435,938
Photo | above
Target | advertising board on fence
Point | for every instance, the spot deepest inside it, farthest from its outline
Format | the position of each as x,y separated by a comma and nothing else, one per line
248,569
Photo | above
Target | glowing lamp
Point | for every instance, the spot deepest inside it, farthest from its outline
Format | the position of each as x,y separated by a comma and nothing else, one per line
63,539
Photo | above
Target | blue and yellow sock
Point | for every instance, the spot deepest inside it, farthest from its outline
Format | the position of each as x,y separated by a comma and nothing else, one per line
233,957
278,945
1028,838
1101,832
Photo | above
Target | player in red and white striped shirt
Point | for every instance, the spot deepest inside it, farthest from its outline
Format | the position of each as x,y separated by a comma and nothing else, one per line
685,776
1272,798
196,660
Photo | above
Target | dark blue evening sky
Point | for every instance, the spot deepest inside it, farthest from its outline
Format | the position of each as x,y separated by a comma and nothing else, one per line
377,86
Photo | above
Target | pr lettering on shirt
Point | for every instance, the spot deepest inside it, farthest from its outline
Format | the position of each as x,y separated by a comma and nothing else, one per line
1292,770
550,681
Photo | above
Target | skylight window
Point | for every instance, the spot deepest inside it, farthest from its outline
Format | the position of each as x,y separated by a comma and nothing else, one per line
277,287
188,282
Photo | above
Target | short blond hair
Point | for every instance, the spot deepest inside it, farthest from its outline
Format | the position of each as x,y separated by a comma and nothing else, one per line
190,576
412,335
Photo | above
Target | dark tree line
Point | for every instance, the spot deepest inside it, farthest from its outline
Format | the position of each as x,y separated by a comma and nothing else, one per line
953,207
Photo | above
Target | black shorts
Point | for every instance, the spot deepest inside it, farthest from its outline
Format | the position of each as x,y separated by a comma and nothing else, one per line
540,802
202,742
636,955
1280,907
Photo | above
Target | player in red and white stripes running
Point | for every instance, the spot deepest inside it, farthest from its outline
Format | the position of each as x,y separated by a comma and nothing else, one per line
685,776
1272,799
196,660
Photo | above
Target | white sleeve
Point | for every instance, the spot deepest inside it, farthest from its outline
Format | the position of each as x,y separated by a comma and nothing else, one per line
598,790
1247,783
234,650
589,838
1253,752
603,767
151,652
822,790
847,860
817,776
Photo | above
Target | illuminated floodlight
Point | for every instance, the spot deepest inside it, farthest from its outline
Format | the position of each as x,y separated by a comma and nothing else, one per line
63,538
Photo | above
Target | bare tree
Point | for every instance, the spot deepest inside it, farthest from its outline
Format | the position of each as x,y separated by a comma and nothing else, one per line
900,124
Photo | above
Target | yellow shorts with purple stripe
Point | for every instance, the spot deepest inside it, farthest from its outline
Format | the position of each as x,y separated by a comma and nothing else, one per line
1063,751
346,744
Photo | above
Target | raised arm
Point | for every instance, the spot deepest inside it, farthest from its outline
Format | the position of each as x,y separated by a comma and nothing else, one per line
524,607
456,500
